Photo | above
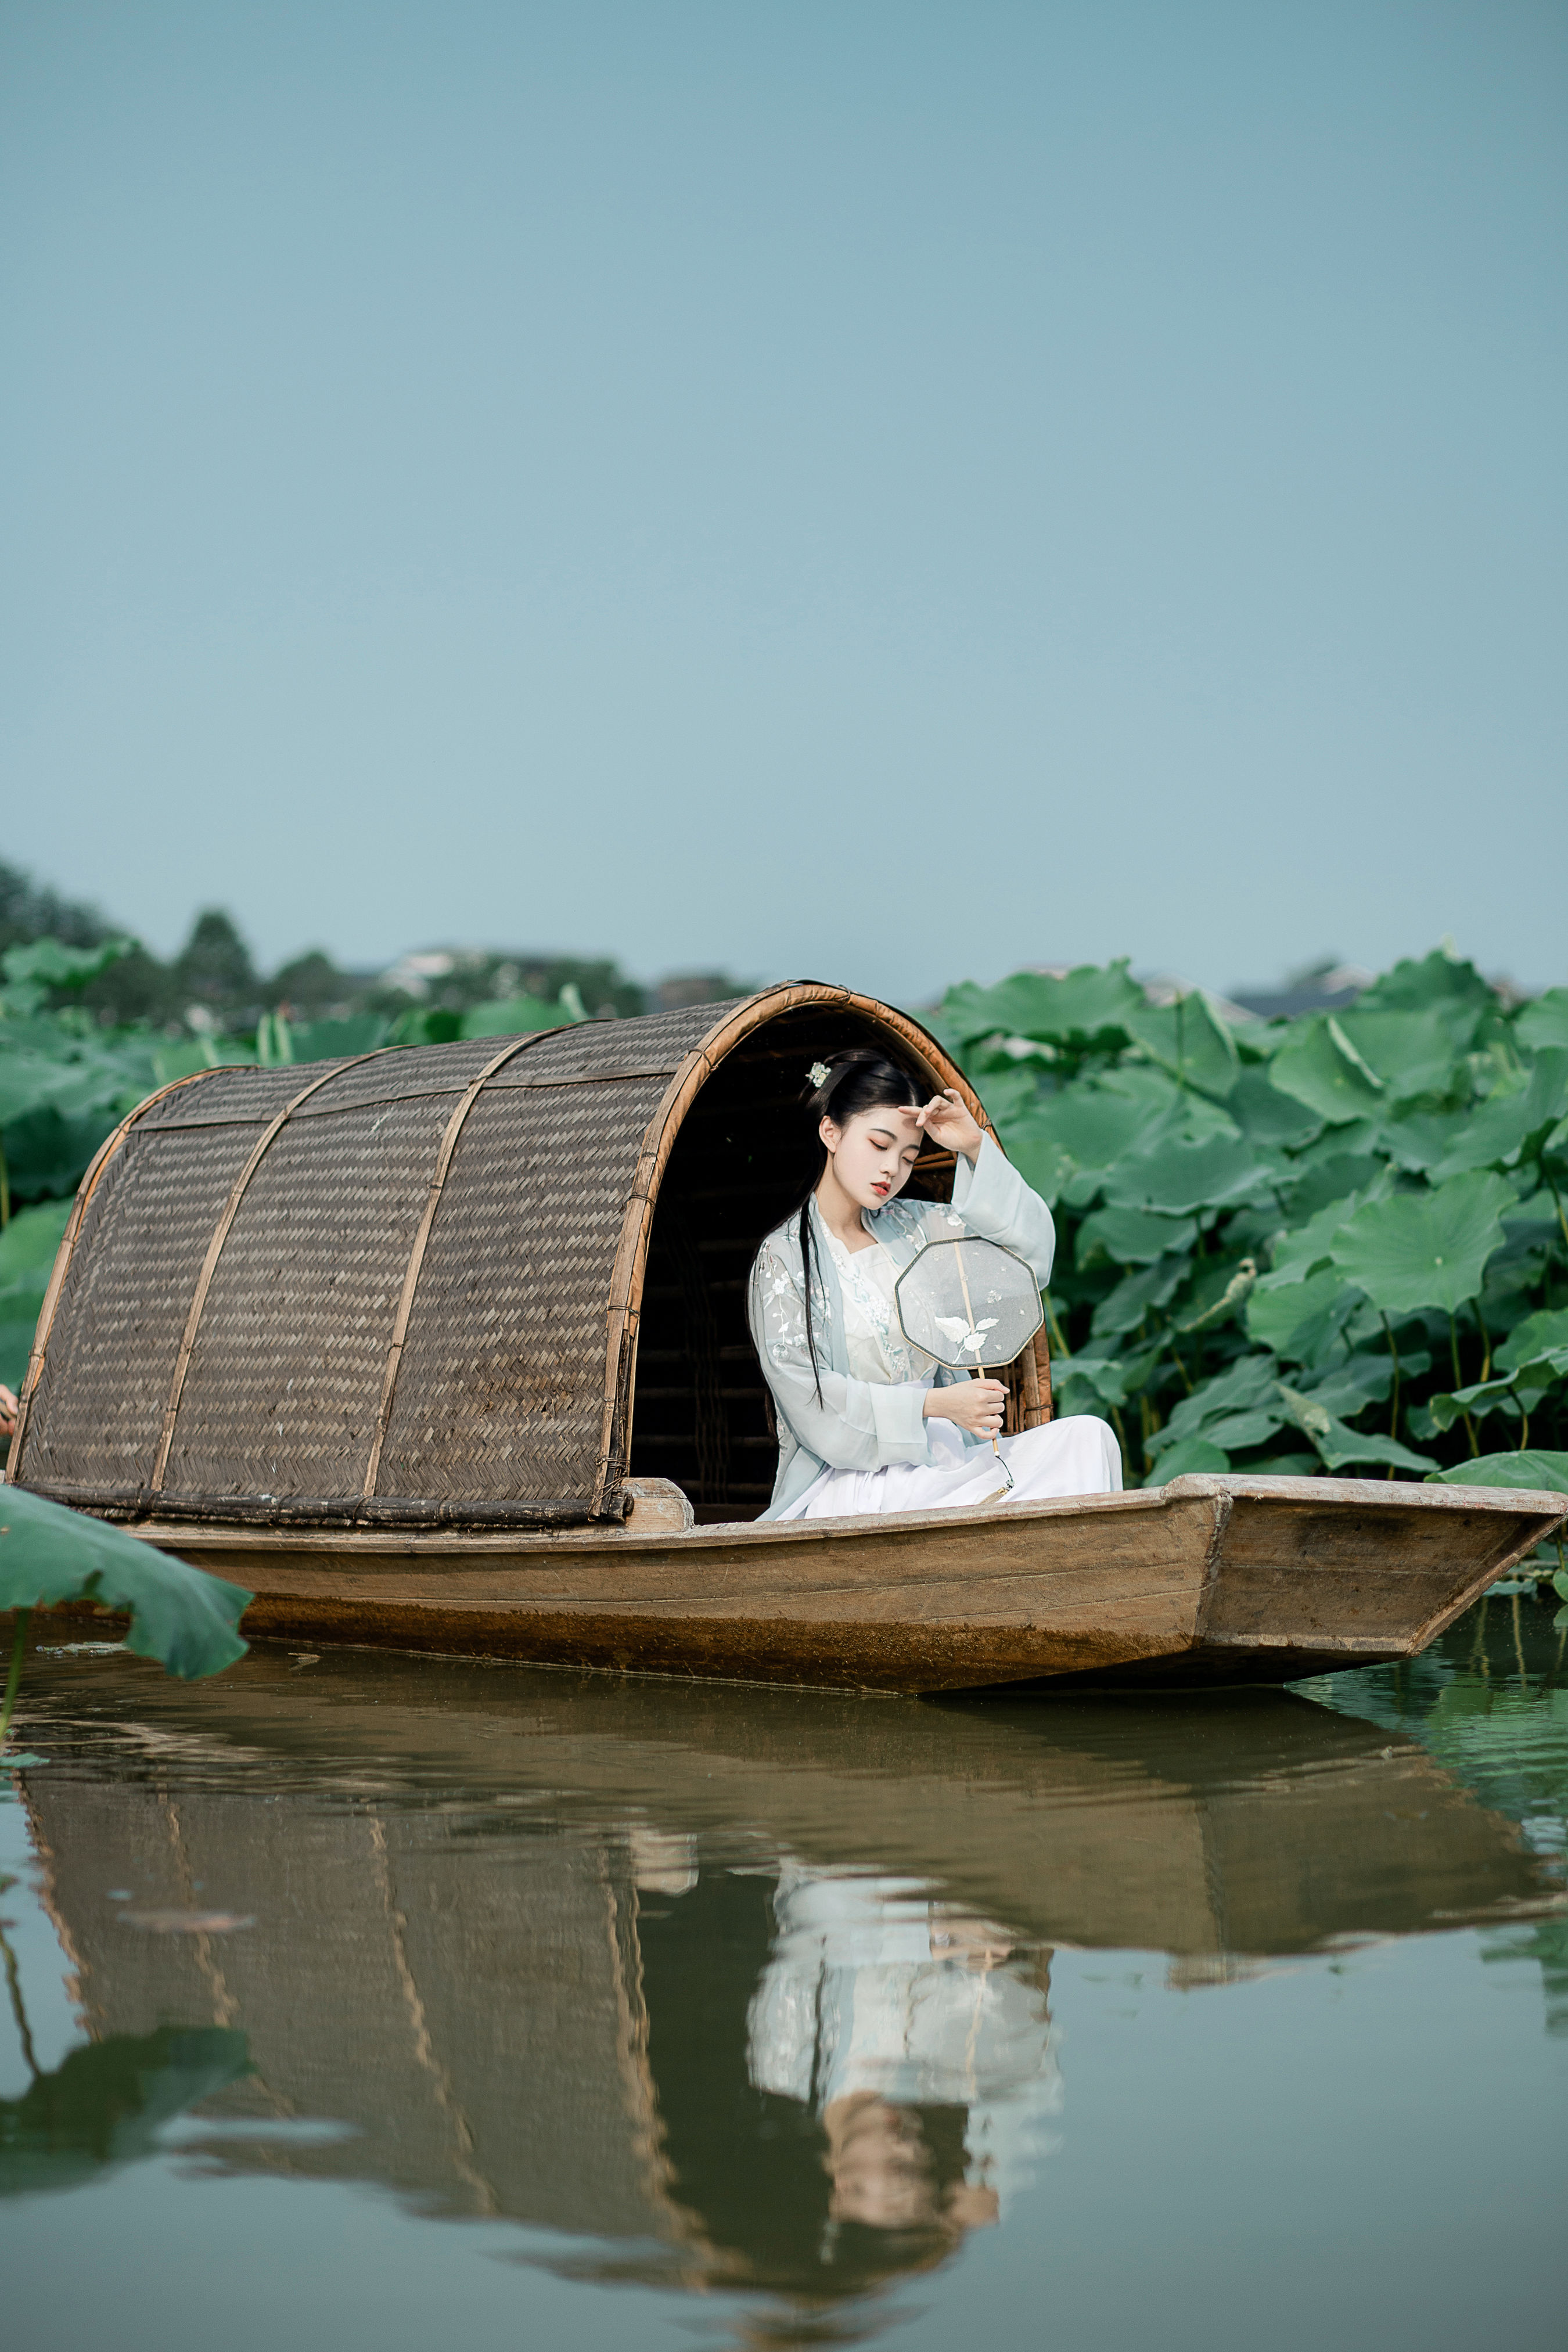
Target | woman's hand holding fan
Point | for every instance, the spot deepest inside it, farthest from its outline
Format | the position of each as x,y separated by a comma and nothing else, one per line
970,1303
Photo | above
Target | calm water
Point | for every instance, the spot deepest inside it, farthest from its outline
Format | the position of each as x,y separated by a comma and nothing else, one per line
361,2000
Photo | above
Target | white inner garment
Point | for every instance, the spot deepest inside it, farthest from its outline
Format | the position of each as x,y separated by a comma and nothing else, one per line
873,1336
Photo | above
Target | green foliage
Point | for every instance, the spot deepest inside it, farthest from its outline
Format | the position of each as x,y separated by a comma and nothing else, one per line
1336,1241
1425,1249
1364,1209
518,1016
1317,1063
179,1616
27,1248
1544,1022
106,2102
1533,1468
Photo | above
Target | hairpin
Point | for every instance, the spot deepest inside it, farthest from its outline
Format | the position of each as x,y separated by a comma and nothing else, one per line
819,1074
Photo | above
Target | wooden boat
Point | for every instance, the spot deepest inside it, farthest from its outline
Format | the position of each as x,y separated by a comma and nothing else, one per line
445,1348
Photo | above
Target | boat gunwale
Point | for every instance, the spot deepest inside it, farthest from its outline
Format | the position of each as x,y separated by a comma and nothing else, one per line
610,1539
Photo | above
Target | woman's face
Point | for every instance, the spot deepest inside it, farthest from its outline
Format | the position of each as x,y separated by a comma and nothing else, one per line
873,1153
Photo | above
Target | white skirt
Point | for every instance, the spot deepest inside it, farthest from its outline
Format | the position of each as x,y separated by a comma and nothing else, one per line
1076,1457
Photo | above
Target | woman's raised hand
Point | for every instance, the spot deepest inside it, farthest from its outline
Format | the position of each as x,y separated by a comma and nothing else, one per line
975,1405
947,1122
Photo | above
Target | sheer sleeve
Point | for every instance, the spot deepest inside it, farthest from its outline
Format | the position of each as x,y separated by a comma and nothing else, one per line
858,1424
995,1202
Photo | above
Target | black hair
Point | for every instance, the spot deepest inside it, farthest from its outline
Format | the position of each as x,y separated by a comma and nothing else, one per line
859,1079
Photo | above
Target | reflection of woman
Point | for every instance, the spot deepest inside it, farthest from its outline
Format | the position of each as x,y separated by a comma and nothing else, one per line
876,2005
865,1421
824,2171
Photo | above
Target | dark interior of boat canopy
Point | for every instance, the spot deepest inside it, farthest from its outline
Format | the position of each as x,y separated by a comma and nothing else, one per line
741,1160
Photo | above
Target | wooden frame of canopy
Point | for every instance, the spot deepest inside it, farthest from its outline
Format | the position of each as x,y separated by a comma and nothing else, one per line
411,1289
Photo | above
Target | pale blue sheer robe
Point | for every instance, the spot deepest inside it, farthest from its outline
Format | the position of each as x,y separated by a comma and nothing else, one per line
872,1424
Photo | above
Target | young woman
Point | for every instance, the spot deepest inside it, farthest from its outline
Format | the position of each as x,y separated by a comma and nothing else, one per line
866,1421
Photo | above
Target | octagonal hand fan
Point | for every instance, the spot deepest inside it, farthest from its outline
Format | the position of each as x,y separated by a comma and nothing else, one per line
971,1304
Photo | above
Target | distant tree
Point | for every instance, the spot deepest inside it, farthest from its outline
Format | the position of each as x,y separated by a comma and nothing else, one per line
601,983
214,971
457,980
137,988
27,913
310,987
679,989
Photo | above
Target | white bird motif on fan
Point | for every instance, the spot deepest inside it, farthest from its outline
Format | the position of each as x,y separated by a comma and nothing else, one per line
968,1341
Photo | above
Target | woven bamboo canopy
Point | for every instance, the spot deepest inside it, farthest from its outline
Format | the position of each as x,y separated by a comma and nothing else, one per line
423,1287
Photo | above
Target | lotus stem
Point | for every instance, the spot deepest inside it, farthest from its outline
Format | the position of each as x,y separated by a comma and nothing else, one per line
1557,1198
1394,1417
14,1987
1460,1380
13,1680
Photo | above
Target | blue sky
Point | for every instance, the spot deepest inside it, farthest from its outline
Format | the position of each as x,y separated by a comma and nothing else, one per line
889,492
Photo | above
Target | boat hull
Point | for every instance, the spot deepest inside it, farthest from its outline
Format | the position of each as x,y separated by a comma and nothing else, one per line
1206,1580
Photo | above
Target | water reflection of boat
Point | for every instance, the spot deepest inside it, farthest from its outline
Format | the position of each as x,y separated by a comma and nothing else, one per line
757,1978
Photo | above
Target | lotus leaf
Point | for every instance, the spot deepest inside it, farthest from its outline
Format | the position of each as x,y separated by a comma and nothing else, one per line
1334,1179
1425,1249
1521,1393
1319,1065
1337,1445
1247,1386
1012,1092
1265,1116
427,1024
1351,1386
108,2102
1536,1468
1132,1236
1508,1128
51,964
1544,1023
31,1240
28,1082
331,1041
28,1247
1538,1334
1135,1297
1421,1140
1045,1166
1289,1315
516,1016
1084,1383
1192,1040
1088,1008
1194,1455
1305,1248
1236,1432
1177,1177
1440,982
1411,1053
46,1155
179,1616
